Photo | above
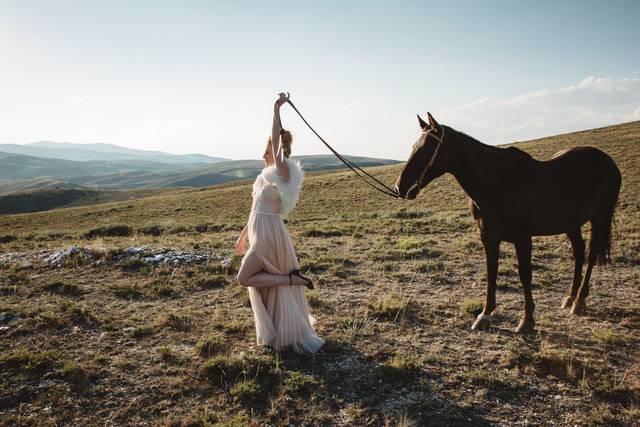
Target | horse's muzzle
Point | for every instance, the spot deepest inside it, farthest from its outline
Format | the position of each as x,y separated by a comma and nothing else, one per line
411,193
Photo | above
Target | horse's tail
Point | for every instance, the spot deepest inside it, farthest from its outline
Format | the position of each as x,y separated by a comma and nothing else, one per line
601,238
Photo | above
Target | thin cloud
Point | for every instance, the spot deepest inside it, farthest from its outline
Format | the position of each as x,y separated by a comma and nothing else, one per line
592,102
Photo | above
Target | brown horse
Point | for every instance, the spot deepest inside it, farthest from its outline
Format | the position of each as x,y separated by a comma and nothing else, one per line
514,197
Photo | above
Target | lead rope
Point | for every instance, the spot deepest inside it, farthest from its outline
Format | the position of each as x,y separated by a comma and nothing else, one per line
381,186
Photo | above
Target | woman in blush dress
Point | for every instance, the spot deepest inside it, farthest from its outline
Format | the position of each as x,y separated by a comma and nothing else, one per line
270,267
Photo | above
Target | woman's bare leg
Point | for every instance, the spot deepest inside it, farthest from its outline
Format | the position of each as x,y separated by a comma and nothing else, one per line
251,274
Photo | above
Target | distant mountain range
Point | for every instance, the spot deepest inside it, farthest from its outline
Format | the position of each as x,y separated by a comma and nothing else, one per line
53,165
101,152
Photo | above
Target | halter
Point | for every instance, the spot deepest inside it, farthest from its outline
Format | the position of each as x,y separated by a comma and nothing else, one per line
431,159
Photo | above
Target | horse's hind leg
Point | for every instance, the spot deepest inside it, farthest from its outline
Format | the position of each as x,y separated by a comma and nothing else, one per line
577,244
596,242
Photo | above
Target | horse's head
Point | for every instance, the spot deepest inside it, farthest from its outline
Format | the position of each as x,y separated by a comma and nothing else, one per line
429,159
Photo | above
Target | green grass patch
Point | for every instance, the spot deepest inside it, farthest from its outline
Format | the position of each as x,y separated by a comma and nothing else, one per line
472,306
24,360
63,288
126,290
247,391
611,337
209,345
390,307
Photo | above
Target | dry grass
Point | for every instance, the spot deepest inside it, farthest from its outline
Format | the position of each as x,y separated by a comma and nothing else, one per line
396,282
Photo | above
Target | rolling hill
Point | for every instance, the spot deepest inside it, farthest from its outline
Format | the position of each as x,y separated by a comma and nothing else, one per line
15,167
217,173
43,174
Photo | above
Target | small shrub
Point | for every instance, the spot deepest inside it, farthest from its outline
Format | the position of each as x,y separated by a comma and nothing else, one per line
125,290
152,230
403,214
16,278
387,266
430,266
472,245
221,368
179,321
6,290
611,337
78,313
364,325
124,364
209,345
64,288
140,331
312,232
472,306
409,243
74,373
50,319
601,415
236,326
246,391
298,382
179,228
7,238
113,230
114,253
389,307
208,228
165,352
134,264
212,282
28,361
559,363
313,299
399,367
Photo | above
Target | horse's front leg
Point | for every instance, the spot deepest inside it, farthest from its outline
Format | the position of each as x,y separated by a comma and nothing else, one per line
492,253
523,251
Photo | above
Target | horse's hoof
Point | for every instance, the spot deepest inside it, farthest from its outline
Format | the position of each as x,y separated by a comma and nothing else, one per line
482,322
566,303
578,307
525,326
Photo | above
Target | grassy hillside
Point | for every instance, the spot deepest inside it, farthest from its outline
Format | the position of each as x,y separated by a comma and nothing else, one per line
35,184
42,200
217,173
16,168
398,285
18,172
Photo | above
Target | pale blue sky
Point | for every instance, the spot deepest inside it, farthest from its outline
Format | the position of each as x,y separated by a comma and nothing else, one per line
201,76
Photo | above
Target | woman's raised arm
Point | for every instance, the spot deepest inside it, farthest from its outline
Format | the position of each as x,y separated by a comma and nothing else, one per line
278,155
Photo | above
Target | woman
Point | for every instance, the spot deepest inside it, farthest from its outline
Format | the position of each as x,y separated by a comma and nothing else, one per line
270,268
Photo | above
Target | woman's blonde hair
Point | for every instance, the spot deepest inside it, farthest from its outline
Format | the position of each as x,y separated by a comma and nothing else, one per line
285,142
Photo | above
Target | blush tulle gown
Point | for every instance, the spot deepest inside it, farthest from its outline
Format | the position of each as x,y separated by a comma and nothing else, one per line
285,320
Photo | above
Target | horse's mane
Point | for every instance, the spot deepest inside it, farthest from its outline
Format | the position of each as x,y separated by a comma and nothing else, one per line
467,139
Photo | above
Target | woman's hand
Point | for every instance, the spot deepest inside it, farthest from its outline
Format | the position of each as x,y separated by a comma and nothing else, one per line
241,244
282,99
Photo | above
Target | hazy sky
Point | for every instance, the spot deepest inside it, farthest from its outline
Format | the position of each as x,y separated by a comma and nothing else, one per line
201,76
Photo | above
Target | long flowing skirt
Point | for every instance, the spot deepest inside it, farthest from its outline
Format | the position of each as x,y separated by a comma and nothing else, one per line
285,320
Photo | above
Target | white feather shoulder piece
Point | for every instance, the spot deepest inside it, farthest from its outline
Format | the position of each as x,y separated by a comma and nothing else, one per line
290,190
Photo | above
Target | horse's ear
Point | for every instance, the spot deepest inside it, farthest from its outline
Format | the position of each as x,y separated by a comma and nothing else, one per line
423,124
432,121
